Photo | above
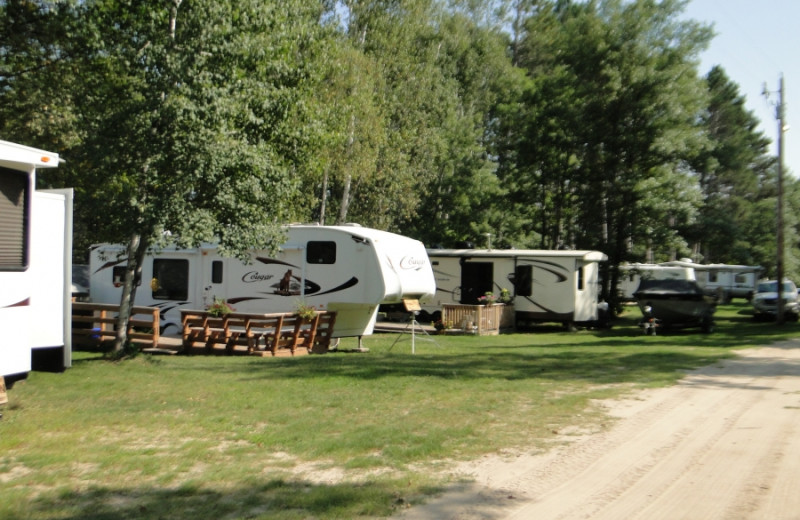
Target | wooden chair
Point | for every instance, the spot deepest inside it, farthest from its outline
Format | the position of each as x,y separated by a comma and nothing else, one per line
238,332
324,333
193,324
215,332
267,328
289,334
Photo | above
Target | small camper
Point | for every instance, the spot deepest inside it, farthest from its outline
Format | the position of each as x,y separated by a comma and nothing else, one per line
35,265
545,286
723,280
348,269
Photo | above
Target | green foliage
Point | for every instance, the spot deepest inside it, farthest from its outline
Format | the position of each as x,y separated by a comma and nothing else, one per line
219,308
544,123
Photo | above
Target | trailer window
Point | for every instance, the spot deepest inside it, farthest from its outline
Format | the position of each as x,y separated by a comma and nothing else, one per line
523,280
216,271
581,278
118,275
712,276
14,211
740,278
321,253
171,279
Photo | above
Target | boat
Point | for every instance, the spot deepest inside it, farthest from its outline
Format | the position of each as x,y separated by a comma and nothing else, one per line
675,304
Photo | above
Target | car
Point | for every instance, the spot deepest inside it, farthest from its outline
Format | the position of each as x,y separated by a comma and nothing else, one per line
765,300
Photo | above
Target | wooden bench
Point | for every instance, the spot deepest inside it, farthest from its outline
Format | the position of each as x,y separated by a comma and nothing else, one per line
94,323
256,334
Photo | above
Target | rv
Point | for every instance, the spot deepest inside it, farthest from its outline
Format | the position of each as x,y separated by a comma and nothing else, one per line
35,265
631,274
348,269
545,286
723,280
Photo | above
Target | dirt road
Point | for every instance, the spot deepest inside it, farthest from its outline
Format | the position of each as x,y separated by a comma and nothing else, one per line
722,444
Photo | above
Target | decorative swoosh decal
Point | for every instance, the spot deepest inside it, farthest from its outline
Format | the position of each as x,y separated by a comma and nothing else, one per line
22,303
110,264
311,287
349,283
551,267
546,309
269,261
234,301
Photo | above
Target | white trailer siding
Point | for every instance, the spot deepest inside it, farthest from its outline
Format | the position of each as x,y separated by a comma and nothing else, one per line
51,270
348,269
560,286
26,230
724,280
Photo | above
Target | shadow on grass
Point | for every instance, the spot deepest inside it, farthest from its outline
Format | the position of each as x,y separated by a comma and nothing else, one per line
622,354
602,367
273,499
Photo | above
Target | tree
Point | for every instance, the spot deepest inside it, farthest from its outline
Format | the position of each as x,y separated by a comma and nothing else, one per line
621,126
193,119
729,172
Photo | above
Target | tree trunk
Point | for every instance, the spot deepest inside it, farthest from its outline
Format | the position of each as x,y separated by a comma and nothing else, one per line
349,178
323,198
345,199
133,276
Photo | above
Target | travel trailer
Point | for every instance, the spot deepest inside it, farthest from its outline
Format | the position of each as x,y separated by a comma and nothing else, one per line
630,275
723,280
348,269
35,265
545,286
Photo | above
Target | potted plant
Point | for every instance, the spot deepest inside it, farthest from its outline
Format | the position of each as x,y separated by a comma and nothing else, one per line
306,312
487,299
220,308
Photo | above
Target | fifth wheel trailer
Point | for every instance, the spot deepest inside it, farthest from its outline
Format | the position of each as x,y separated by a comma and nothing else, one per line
348,269
35,265
545,286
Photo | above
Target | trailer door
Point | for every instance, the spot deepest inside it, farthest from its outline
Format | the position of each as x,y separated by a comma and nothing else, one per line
476,280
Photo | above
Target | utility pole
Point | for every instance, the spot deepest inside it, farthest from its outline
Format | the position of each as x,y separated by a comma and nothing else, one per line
779,114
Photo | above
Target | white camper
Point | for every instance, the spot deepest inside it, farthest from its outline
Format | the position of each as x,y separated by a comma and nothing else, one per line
546,286
348,269
35,265
724,280
631,274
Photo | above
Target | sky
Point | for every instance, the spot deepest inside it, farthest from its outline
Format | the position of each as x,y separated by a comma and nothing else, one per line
757,42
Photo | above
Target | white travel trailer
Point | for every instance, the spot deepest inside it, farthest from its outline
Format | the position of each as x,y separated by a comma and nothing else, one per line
723,280
348,269
631,274
546,286
35,265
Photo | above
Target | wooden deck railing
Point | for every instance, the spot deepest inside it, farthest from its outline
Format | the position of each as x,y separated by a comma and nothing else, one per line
143,327
258,334
482,320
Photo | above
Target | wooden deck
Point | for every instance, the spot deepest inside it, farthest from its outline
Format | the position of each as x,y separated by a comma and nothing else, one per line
265,335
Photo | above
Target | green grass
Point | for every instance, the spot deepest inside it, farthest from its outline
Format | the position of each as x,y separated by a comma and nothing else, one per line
335,436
